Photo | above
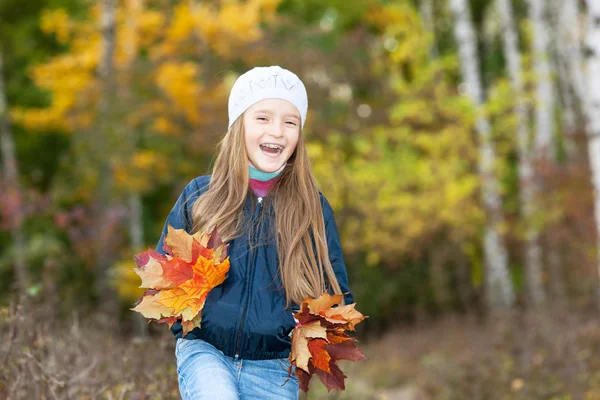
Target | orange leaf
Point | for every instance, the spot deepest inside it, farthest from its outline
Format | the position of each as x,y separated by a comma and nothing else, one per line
175,298
323,302
335,337
214,273
196,287
320,356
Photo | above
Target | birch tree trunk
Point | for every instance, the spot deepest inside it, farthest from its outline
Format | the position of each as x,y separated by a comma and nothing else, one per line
13,189
533,254
593,108
568,40
544,121
101,149
499,290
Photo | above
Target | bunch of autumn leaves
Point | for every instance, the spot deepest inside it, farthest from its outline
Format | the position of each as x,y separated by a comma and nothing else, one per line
178,282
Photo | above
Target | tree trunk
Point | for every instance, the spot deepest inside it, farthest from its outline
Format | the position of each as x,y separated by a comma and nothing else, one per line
102,148
544,121
593,109
13,190
499,290
568,38
533,259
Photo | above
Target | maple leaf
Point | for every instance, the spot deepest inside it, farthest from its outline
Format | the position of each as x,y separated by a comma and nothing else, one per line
323,302
180,281
320,356
180,243
151,271
150,308
319,340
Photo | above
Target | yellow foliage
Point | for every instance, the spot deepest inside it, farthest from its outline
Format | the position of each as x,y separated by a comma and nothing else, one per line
137,173
126,281
175,42
181,84
56,21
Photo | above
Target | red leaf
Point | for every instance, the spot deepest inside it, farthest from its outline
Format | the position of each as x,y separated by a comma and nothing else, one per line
303,379
141,259
333,380
177,271
305,317
345,351
166,248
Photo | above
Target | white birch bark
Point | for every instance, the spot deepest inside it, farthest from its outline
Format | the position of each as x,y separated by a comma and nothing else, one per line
499,290
568,39
11,178
544,121
533,253
593,107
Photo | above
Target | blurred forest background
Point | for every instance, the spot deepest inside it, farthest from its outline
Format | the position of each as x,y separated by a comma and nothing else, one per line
458,142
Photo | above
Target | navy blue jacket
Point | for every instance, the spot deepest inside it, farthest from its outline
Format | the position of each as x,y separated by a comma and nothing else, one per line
246,316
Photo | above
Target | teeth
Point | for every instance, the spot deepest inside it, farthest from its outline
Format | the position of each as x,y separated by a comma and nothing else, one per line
273,146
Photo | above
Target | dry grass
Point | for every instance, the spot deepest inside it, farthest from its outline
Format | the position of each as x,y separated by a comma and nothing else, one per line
82,360
551,355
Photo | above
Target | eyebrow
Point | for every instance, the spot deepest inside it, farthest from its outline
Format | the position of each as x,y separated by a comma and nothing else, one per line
265,111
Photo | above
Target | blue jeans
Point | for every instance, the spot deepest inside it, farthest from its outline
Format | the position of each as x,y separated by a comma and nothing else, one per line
204,372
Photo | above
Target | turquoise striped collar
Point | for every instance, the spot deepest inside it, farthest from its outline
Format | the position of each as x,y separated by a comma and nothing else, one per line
263,176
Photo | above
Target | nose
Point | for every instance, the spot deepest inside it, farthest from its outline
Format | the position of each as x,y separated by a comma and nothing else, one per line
276,129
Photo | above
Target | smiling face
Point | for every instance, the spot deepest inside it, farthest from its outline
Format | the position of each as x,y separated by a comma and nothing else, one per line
272,128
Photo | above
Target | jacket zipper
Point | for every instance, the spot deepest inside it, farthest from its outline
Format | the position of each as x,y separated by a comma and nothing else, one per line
250,278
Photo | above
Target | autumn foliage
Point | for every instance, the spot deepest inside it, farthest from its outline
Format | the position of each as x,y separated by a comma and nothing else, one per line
177,283
319,340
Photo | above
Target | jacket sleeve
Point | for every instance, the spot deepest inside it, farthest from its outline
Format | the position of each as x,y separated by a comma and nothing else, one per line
336,255
180,215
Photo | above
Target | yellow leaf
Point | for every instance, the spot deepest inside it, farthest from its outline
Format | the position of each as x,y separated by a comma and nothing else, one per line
180,242
149,307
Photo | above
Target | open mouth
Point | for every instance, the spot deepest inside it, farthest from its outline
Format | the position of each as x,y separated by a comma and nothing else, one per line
271,149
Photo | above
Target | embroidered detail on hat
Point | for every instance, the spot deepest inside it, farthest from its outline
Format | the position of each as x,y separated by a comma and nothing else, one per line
288,85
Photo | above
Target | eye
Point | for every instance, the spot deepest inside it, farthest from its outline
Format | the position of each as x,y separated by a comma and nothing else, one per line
261,118
291,123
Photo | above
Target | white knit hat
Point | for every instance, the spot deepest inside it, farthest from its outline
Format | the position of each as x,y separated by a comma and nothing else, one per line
267,83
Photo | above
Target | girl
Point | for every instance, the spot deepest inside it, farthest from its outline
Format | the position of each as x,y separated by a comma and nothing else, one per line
283,244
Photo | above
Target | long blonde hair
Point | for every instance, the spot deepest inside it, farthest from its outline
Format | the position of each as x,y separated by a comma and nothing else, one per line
303,258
